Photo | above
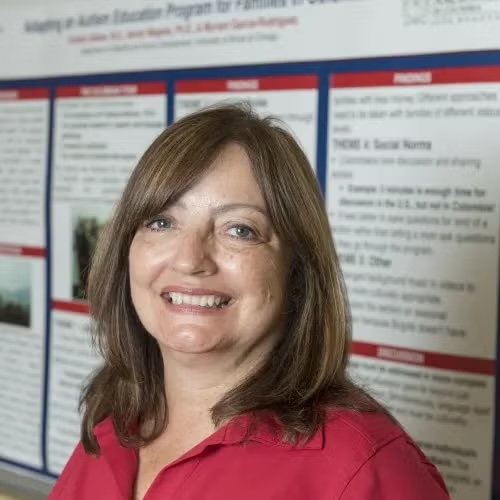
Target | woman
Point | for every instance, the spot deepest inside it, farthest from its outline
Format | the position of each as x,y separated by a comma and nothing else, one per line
221,315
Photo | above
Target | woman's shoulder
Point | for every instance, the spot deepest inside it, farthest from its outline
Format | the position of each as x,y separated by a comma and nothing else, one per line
363,430
378,457
86,476
354,437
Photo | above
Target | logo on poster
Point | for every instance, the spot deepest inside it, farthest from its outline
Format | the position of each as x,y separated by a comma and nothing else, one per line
416,11
449,12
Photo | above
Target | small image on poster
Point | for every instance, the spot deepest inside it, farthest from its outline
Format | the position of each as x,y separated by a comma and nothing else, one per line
86,228
15,292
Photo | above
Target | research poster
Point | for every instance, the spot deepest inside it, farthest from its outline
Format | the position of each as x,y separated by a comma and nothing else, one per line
395,103
414,207
267,96
24,129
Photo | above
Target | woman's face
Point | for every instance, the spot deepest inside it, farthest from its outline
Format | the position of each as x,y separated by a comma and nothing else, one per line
209,274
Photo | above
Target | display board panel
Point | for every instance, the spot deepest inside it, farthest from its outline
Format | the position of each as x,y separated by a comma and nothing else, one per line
414,207
267,96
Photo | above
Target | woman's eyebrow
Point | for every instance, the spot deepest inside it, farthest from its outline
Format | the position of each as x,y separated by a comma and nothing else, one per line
220,209
237,206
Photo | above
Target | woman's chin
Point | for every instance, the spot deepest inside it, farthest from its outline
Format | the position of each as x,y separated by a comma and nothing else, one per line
189,342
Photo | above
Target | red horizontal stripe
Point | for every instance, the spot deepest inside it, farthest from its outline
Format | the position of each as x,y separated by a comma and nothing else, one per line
247,84
113,90
33,252
22,251
483,74
77,307
467,364
17,94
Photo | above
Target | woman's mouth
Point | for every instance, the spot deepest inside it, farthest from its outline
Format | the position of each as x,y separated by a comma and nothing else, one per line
208,301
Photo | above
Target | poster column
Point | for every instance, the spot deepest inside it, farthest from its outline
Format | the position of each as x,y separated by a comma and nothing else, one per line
293,99
24,125
100,133
413,192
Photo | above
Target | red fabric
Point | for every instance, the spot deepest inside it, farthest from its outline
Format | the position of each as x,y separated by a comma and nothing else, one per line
352,457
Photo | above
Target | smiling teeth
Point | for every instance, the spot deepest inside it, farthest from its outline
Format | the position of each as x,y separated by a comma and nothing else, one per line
197,300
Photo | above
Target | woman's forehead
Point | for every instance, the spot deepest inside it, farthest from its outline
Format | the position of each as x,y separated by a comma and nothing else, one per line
228,180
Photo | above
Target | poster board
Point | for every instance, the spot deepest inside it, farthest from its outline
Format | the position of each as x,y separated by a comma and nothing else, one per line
396,105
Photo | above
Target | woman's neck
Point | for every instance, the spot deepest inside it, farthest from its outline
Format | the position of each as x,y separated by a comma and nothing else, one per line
194,384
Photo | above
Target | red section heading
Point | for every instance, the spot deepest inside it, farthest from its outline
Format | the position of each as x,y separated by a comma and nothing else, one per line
248,84
18,94
452,362
483,74
22,251
76,307
121,90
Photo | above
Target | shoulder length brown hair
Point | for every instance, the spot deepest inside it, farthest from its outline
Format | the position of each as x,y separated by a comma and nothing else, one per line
306,371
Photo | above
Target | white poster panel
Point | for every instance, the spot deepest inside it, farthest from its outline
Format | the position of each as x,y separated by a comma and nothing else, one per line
91,36
446,403
100,133
72,360
413,192
24,121
24,131
292,99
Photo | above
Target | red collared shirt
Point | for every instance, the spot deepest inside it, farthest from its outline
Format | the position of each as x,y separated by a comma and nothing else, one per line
352,457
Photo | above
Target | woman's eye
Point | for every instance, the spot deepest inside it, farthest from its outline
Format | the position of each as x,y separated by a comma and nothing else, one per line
160,224
242,232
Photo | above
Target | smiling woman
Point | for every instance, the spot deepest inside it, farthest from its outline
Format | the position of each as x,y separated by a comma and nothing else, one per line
213,246
220,311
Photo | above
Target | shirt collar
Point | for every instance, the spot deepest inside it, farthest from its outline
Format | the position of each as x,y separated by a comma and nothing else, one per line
266,429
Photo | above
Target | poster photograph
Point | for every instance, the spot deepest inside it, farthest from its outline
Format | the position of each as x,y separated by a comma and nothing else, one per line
15,292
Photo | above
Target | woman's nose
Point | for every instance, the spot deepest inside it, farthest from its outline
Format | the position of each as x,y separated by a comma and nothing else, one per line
193,254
